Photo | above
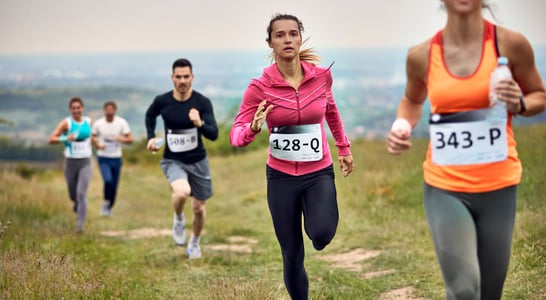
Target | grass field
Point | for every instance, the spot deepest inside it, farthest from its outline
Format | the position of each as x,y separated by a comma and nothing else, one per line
382,249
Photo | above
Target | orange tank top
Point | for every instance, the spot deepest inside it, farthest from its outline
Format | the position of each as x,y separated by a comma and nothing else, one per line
449,93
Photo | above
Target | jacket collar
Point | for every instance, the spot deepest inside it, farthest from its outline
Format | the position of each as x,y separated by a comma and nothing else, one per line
272,76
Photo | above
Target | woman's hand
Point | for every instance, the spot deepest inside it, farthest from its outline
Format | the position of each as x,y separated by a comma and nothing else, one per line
346,164
260,116
398,139
509,92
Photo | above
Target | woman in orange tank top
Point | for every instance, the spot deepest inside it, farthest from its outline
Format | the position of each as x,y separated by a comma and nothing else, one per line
469,201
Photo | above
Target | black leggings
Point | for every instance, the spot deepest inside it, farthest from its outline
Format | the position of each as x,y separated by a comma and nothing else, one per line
472,235
288,197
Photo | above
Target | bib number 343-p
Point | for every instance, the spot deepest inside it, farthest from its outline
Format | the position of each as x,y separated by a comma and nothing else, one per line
464,141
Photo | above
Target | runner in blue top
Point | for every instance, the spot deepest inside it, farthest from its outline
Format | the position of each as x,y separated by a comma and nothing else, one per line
75,133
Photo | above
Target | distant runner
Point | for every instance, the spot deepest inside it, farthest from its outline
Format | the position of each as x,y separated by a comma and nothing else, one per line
109,133
75,133
187,116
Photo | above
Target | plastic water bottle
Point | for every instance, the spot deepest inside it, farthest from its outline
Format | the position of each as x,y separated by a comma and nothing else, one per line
497,113
158,143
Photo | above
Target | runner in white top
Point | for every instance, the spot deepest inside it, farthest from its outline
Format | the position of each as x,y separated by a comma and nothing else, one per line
109,133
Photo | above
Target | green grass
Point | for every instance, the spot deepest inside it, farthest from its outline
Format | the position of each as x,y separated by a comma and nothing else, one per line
380,209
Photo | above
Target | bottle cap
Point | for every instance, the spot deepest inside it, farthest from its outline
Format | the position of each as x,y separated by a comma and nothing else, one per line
502,60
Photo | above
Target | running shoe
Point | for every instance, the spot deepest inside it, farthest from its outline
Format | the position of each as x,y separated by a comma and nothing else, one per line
106,211
179,235
193,251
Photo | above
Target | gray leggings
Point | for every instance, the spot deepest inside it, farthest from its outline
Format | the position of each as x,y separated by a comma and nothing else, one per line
77,173
472,235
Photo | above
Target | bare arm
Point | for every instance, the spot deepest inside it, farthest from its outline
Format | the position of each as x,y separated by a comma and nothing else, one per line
410,107
55,136
95,141
527,81
127,138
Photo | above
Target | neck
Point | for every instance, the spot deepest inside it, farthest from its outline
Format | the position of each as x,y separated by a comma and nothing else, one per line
77,118
462,29
290,69
109,119
181,97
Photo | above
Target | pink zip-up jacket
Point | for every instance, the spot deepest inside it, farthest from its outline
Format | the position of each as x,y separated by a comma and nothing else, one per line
310,104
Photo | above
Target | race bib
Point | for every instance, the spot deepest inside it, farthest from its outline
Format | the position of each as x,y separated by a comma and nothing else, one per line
296,143
80,148
182,140
111,146
467,138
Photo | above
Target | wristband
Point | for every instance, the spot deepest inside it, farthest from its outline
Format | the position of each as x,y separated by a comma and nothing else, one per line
62,138
401,124
522,106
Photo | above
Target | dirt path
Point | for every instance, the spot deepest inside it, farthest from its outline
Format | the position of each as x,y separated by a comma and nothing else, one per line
354,260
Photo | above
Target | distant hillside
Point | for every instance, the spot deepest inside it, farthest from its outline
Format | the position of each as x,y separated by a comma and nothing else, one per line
34,90
34,113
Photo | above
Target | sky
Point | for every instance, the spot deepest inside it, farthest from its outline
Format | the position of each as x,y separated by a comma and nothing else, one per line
85,26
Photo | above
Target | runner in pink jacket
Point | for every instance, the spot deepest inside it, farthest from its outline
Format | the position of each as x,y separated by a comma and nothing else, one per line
311,103
295,97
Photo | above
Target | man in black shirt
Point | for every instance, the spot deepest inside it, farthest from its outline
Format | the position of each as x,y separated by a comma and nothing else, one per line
187,116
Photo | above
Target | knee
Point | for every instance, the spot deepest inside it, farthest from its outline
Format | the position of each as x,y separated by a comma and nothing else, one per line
320,244
463,286
199,210
469,291
180,194
321,238
108,180
293,259
181,190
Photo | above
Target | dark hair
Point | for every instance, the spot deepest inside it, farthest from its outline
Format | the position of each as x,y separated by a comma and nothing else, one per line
75,99
110,103
181,63
305,54
278,17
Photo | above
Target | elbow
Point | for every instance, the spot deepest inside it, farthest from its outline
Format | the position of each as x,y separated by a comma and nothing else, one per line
234,141
542,105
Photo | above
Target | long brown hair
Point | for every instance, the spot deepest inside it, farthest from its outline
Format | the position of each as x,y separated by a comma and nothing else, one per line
305,54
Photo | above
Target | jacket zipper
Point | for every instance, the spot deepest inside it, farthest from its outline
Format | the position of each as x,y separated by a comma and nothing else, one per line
299,121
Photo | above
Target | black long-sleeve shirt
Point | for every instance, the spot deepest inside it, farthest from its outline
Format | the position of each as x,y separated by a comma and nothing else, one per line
175,118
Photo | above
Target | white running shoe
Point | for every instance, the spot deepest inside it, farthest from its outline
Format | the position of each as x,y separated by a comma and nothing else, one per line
179,235
106,211
193,251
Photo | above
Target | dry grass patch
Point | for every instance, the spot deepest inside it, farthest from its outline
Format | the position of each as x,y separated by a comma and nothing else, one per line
137,233
351,260
400,294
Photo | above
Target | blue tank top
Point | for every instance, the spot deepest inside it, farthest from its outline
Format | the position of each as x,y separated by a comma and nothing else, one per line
81,147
